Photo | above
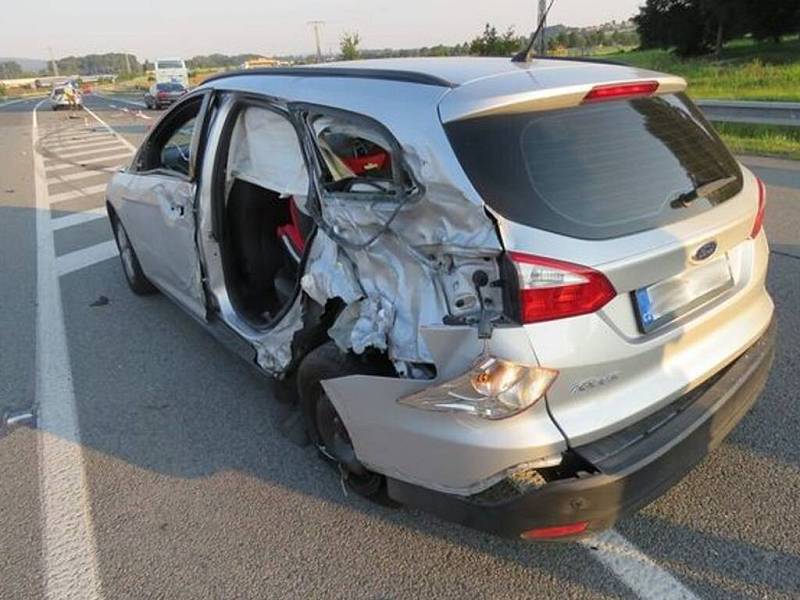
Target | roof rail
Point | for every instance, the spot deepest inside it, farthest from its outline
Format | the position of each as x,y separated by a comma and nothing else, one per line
346,72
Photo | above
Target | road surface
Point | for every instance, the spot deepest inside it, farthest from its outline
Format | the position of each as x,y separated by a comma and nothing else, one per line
166,476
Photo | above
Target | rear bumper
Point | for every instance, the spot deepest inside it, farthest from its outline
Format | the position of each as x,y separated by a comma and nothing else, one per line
632,467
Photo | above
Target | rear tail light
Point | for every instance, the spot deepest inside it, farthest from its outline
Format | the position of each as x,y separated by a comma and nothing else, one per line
758,224
621,91
551,289
162,94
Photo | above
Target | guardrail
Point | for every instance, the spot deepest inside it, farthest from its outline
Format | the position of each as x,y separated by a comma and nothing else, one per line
759,113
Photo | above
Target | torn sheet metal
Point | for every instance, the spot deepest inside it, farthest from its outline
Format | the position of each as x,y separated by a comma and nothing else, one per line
274,352
415,272
363,324
329,273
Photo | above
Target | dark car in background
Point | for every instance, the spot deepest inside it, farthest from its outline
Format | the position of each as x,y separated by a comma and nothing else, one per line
161,95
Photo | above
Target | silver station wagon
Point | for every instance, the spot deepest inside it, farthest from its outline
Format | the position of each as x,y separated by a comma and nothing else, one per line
527,297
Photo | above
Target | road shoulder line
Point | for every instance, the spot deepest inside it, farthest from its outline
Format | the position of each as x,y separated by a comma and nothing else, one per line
68,543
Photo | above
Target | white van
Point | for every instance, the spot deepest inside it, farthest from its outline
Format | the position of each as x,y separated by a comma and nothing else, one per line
171,70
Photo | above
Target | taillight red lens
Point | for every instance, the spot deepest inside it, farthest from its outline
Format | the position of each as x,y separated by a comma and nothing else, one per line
620,91
758,224
553,289
558,531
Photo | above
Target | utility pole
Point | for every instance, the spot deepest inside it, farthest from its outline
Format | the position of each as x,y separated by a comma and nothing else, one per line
316,25
53,61
127,63
542,42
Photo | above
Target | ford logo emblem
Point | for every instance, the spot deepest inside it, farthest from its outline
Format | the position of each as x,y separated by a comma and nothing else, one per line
705,251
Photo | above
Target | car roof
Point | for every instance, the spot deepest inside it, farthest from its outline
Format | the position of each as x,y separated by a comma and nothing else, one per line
461,87
442,71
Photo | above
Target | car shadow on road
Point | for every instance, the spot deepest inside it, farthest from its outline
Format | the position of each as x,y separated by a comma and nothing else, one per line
158,394
159,399
715,564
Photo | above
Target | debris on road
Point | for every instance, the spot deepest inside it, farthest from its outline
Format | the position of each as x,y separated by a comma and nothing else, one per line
101,301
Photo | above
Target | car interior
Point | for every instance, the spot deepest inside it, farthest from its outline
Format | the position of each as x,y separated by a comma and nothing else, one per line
264,230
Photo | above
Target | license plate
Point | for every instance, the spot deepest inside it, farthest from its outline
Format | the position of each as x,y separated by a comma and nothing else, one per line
665,301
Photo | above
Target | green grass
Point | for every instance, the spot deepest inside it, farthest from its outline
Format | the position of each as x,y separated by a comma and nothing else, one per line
746,70
768,140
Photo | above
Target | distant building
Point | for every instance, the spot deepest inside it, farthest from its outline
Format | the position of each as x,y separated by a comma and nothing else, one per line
258,63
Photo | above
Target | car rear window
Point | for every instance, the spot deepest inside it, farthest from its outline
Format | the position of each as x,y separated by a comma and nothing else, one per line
599,170
169,64
169,87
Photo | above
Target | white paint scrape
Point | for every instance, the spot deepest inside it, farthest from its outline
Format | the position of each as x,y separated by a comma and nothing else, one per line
69,553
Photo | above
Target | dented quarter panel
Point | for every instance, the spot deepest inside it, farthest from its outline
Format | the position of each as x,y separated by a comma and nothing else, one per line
448,452
405,278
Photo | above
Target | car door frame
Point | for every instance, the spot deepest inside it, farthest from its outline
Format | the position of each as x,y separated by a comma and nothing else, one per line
175,216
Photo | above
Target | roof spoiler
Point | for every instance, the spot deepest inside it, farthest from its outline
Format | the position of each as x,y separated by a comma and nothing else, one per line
475,102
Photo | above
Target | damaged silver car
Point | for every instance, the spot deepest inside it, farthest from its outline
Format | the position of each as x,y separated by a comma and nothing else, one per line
528,297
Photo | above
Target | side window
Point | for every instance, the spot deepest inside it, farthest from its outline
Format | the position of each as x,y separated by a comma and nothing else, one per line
357,158
175,154
170,146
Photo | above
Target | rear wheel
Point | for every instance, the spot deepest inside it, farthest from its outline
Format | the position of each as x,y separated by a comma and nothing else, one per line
137,280
325,427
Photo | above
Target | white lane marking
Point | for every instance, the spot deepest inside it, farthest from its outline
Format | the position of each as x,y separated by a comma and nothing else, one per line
80,175
635,569
73,144
86,257
141,115
118,99
78,218
110,130
91,161
109,146
72,194
80,135
68,544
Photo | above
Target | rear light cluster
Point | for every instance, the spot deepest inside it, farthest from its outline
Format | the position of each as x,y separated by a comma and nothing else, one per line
758,224
552,289
621,91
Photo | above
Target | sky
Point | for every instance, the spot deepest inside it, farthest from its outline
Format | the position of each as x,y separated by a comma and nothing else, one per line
185,28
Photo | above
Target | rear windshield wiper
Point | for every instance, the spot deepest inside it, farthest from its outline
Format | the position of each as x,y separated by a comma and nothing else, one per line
701,191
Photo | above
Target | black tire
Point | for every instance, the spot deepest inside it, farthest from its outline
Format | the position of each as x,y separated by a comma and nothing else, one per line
325,428
137,280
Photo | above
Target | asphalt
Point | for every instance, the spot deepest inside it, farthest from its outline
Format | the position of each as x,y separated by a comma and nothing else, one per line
193,492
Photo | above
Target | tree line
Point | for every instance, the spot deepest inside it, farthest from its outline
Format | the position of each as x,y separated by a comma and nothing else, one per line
695,27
